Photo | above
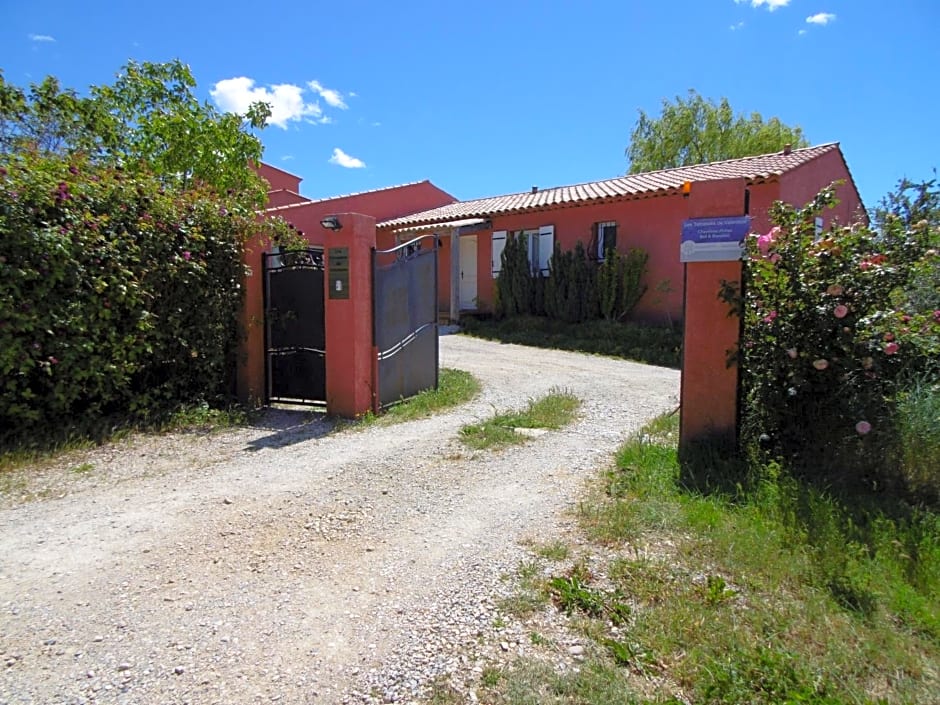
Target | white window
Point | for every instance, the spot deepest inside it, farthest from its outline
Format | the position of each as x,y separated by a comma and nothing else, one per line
540,243
545,248
496,256
606,237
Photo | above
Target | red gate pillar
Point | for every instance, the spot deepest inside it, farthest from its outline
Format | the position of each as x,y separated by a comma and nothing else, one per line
709,391
348,310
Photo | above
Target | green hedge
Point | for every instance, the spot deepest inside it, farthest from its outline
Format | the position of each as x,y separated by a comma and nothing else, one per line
119,296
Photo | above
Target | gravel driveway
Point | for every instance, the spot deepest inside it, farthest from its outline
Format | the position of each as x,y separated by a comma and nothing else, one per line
281,564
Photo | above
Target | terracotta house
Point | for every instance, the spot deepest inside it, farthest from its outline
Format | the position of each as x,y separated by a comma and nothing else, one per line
638,210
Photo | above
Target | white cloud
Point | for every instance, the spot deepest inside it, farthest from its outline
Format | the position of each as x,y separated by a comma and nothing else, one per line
821,18
769,4
801,32
287,157
287,103
735,27
41,38
332,97
340,158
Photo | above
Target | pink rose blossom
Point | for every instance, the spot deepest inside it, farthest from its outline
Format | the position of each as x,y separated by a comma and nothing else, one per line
187,255
834,290
862,427
841,311
889,337
891,348
769,318
820,364
775,257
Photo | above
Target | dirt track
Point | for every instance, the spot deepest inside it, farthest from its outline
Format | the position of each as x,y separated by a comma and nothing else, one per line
280,564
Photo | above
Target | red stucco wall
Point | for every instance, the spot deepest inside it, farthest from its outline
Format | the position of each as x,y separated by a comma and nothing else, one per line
283,197
278,178
383,204
798,187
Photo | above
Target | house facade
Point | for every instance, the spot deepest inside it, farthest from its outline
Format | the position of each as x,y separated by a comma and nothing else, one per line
638,210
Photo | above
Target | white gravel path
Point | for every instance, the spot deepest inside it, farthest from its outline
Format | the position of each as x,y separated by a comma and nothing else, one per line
278,564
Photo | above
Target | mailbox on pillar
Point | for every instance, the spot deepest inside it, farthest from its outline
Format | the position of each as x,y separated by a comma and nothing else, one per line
338,261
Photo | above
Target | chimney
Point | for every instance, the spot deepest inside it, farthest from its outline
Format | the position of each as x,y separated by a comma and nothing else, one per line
535,189
787,148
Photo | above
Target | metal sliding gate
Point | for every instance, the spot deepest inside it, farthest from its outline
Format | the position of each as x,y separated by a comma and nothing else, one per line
294,333
405,319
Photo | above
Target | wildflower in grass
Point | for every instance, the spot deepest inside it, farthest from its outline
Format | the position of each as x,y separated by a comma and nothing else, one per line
841,311
862,427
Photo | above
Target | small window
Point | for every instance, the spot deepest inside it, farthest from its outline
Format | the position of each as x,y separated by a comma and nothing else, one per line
496,256
818,227
540,244
606,238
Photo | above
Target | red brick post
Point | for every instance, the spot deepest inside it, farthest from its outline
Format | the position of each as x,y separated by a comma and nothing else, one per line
348,311
709,390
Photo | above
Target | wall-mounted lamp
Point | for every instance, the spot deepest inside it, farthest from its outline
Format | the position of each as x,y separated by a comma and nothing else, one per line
686,188
331,222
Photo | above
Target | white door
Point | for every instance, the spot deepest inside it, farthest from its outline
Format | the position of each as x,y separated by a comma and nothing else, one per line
468,272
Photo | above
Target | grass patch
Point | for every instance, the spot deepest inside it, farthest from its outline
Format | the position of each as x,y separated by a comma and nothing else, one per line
650,344
769,591
553,551
554,410
454,387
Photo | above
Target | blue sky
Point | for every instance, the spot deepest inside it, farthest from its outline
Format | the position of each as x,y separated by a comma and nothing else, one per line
486,98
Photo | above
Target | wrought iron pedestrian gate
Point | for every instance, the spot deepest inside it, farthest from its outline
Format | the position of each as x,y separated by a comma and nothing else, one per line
405,319
294,333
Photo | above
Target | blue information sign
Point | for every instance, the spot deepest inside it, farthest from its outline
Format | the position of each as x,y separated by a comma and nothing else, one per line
713,239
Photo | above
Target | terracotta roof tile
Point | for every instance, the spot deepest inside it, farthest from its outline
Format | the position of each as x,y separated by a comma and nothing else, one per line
631,186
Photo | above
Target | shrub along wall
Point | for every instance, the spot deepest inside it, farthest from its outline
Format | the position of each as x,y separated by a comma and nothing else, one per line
839,330
119,296
576,289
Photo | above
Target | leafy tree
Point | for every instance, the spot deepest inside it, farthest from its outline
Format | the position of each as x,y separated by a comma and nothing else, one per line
911,202
697,130
148,120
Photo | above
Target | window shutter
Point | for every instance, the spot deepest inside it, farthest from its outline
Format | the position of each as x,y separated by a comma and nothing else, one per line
546,247
496,258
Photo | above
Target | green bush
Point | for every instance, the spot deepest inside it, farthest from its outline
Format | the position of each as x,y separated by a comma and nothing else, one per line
833,326
119,295
576,289
620,282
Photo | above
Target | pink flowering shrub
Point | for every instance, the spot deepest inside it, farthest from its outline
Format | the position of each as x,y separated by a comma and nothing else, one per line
119,295
831,335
